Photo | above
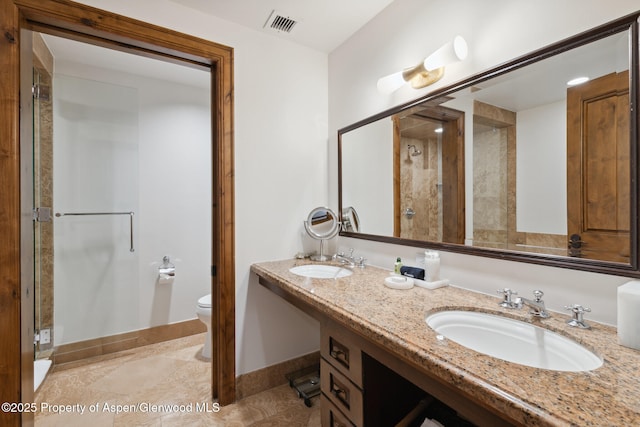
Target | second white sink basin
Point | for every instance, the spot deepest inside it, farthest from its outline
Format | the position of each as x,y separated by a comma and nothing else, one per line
513,341
319,271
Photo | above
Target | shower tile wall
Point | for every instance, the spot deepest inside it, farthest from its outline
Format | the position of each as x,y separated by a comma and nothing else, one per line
490,219
43,174
494,176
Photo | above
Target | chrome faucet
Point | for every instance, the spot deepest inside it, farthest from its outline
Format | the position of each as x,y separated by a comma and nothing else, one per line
349,260
536,305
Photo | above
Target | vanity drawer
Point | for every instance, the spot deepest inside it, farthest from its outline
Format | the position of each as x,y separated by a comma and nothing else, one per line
338,348
344,394
330,416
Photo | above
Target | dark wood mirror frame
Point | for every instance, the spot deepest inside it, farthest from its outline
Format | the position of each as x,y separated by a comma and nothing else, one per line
83,23
632,269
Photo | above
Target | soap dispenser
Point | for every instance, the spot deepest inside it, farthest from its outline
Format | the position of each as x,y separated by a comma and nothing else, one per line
397,266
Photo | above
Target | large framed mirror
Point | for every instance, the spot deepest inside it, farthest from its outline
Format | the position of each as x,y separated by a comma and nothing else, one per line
519,162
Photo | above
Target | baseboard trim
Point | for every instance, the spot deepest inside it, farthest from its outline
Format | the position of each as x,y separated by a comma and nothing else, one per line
81,350
272,376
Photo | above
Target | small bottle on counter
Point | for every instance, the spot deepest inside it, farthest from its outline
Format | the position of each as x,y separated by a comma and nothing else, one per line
432,266
397,266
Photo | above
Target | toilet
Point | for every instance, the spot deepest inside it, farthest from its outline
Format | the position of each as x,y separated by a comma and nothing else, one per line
203,311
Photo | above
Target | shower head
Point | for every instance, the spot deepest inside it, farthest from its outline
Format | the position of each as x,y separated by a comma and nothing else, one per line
415,151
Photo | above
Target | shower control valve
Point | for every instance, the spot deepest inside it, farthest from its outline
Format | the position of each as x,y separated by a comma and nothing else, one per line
409,213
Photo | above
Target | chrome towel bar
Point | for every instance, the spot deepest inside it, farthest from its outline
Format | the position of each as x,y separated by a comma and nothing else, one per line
58,214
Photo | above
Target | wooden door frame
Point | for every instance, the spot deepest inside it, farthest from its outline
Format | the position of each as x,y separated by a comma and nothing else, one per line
80,22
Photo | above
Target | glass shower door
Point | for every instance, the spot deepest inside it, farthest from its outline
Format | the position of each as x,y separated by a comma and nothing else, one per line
95,209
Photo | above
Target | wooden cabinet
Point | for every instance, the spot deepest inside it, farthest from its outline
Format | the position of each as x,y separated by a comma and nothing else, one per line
342,392
356,389
339,349
366,384
331,416
341,376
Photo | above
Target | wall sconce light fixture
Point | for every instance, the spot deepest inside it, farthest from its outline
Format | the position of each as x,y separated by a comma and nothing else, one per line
427,72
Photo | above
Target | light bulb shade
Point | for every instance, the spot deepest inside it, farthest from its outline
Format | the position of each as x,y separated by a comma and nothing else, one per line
427,72
391,83
448,53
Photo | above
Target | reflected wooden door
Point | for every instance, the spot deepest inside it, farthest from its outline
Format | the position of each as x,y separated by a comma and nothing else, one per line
598,180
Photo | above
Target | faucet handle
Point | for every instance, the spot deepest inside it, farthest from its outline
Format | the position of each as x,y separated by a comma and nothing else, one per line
577,308
537,294
507,302
578,312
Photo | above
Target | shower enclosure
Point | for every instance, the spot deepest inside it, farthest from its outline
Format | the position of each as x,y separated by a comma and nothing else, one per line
96,196
421,178
86,196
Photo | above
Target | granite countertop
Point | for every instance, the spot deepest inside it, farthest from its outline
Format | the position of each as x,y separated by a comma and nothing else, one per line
395,319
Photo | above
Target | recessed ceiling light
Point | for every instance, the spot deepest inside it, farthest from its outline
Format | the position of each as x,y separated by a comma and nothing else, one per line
577,81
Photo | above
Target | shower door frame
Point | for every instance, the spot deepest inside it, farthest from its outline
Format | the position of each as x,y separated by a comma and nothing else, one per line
91,25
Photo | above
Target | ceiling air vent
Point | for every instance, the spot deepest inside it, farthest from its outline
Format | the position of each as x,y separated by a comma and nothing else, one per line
279,22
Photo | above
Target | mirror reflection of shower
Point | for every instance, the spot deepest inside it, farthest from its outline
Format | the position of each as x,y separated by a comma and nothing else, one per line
420,171
413,151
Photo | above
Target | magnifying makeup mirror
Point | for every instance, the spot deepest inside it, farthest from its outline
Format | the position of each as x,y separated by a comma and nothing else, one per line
322,224
350,220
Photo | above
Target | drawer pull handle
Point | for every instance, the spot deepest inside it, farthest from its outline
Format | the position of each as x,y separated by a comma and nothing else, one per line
340,392
339,353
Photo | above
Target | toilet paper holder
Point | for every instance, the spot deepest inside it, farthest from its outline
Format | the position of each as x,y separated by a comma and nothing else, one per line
167,271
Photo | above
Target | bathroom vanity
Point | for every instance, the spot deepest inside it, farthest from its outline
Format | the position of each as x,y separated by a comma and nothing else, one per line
380,360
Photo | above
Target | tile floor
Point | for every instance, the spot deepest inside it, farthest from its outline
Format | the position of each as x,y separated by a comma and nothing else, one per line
171,374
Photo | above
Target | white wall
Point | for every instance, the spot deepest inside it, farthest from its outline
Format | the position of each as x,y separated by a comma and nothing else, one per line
541,159
281,167
374,207
496,31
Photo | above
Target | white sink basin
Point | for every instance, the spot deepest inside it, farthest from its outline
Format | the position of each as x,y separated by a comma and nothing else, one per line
513,341
321,271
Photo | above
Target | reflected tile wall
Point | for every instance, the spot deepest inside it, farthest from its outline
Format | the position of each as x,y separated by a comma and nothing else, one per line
419,190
